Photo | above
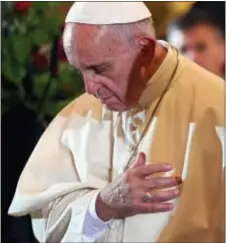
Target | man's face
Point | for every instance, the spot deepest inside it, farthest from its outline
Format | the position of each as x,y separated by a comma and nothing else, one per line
205,45
107,66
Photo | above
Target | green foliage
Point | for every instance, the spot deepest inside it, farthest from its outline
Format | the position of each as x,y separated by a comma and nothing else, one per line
27,27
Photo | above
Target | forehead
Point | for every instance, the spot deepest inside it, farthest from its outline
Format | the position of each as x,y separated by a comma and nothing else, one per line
90,44
203,32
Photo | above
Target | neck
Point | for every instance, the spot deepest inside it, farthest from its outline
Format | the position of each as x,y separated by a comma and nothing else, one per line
159,56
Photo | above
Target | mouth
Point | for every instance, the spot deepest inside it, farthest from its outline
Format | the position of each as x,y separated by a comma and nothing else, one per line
103,95
105,99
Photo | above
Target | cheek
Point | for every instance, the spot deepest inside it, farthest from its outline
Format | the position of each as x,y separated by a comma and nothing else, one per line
213,55
118,86
117,83
121,86
220,54
123,79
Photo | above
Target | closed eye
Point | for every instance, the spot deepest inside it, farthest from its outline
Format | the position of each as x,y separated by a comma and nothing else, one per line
99,69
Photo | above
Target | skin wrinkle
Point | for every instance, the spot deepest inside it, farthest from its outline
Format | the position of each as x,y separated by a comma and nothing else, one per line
116,194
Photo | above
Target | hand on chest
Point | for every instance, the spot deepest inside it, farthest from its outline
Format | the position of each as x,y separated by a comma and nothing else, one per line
94,144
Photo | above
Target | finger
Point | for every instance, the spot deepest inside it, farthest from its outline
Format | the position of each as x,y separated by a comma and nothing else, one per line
160,182
155,207
143,171
141,160
163,196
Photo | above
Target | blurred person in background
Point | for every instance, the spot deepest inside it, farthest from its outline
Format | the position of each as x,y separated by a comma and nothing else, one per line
200,35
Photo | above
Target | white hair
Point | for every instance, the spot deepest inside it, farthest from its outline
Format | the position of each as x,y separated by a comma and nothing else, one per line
125,33
67,41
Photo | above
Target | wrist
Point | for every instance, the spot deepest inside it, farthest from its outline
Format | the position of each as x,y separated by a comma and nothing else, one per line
103,211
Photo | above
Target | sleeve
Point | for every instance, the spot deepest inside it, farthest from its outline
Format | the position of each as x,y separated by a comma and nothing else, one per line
93,225
50,189
221,135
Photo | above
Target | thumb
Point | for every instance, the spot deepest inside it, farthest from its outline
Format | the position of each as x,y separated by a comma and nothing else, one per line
140,160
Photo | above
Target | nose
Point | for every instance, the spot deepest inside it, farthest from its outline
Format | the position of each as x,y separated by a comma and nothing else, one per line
89,84
91,87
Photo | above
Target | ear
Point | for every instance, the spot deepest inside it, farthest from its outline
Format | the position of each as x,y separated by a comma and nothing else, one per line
147,46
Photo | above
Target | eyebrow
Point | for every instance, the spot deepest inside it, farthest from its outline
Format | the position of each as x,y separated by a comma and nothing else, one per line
98,65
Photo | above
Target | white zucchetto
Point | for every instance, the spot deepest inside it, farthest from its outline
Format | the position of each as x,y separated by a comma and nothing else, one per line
101,13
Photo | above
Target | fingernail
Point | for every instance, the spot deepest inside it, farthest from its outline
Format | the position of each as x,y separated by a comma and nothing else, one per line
178,179
142,154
